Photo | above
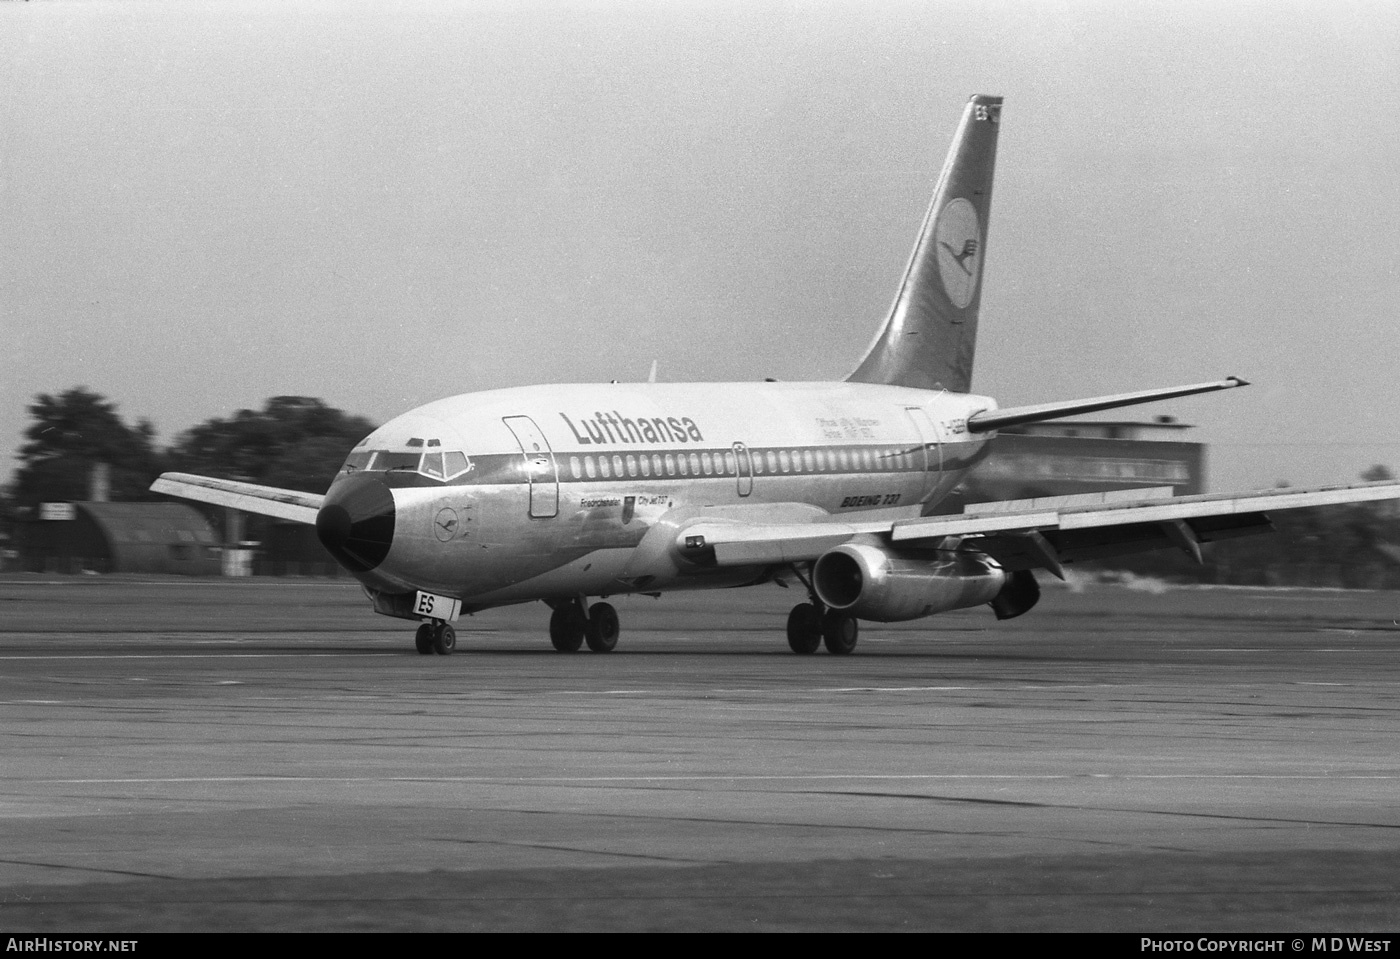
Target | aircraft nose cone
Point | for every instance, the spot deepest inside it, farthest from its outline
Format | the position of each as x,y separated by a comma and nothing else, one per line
356,523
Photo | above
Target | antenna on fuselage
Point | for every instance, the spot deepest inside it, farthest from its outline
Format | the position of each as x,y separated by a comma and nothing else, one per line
651,377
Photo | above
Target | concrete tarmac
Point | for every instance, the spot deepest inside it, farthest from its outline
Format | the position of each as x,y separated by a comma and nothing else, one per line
271,755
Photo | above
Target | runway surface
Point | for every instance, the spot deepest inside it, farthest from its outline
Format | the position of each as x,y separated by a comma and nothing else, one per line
270,755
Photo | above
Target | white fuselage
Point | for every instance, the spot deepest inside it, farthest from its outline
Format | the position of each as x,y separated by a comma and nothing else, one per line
564,483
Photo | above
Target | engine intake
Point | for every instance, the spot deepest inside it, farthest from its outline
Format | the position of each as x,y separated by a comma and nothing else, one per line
890,586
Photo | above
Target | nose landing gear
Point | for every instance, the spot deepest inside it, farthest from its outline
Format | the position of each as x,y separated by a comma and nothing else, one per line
435,637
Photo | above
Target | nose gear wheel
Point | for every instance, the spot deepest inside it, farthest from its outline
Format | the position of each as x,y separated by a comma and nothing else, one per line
423,639
435,637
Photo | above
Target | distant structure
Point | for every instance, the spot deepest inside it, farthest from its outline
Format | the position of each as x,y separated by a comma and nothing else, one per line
1066,457
118,538
292,549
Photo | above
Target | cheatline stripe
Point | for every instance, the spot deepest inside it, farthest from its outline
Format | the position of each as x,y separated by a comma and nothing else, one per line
674,464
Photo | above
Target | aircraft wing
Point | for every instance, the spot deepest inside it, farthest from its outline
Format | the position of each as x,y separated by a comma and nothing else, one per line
267,500
1044,533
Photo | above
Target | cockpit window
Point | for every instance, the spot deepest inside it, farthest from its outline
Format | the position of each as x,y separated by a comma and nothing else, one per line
456,463
397,461
439,466
356,461
432,465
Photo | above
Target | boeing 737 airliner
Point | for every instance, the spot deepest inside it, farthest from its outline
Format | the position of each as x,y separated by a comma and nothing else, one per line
565,493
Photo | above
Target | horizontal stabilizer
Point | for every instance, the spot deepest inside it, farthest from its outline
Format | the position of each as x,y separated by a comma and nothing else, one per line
989,420
286,504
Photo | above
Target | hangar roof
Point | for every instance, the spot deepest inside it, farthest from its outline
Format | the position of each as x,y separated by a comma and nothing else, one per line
154,523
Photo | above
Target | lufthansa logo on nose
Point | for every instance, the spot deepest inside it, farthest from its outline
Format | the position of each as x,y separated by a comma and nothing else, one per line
445,524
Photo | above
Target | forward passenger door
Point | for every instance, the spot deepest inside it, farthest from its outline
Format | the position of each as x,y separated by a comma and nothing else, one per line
540,467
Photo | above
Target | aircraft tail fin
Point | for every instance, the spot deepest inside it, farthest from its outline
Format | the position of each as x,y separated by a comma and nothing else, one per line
930,336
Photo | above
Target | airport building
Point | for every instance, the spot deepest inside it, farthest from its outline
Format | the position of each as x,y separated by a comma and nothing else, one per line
101,537
1063,458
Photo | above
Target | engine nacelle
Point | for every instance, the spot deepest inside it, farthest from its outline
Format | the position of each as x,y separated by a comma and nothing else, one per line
888,586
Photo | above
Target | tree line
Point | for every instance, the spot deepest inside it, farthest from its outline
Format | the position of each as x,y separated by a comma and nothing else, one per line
293,442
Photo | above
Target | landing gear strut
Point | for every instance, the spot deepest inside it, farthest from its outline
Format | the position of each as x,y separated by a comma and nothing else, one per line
573,623
811,624
435,637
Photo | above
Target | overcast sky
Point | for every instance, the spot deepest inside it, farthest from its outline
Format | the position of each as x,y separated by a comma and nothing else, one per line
206,204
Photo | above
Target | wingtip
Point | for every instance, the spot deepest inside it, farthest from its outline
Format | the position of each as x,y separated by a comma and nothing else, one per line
1236,381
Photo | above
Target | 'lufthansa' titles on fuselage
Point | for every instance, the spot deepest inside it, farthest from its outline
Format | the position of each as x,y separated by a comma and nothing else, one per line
615,428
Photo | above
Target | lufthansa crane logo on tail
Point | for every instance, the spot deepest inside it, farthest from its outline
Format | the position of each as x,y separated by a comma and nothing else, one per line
969,249
959,239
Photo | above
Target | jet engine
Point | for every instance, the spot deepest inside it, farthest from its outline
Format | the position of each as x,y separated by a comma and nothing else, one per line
888,586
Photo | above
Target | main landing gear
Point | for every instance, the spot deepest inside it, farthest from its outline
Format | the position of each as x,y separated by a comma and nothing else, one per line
435,637
574,623
811,624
